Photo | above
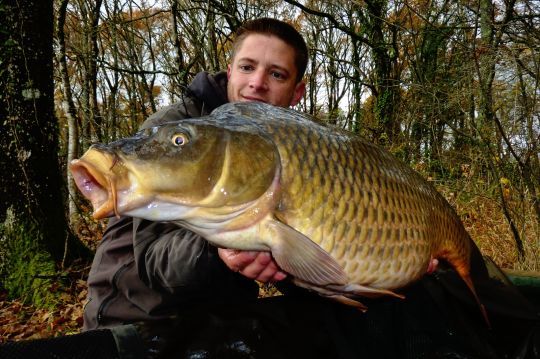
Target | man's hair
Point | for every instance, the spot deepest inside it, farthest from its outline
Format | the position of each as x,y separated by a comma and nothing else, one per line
281,30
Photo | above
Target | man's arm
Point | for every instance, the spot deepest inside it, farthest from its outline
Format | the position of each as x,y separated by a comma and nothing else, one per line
175,260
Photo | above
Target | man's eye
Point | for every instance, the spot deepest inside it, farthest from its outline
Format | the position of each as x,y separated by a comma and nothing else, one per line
246,68
278,75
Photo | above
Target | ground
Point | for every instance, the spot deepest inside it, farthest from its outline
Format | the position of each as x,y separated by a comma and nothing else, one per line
20,322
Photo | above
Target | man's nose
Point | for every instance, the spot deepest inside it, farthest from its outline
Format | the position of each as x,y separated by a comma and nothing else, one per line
258,80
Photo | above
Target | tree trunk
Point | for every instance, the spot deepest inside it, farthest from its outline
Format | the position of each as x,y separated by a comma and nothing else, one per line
69,111
384,52
92,119
489,41
31,185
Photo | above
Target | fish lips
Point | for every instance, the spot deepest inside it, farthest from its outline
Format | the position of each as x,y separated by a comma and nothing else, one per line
95,187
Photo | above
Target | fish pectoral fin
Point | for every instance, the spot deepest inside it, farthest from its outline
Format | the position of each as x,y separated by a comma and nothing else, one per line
303,258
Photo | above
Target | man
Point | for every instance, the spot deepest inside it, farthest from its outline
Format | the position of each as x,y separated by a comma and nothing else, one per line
146,271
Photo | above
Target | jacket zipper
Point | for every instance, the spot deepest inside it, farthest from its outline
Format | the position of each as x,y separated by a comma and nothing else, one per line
105,303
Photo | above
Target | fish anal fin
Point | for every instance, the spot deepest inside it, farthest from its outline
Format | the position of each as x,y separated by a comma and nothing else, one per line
348,301
348,294
368,292
303,258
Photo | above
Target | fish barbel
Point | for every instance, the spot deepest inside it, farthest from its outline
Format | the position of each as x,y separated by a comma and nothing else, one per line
341,215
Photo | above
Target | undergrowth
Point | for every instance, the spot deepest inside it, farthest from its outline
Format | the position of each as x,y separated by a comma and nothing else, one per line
483,217
27,272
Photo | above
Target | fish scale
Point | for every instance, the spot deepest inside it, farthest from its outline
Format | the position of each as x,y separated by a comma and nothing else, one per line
366,213
341,215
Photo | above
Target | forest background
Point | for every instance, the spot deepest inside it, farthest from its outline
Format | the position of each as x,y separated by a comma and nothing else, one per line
449,87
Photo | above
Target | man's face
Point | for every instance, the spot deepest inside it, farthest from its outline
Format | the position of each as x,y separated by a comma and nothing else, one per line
263,70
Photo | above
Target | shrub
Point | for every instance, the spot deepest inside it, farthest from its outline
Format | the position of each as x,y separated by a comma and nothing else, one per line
27,272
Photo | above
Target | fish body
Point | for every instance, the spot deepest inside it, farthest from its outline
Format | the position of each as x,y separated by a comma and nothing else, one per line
341,215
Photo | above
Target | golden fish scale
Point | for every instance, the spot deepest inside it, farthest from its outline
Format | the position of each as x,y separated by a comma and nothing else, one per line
377,218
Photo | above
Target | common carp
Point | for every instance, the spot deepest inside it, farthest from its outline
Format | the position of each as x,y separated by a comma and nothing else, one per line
341,215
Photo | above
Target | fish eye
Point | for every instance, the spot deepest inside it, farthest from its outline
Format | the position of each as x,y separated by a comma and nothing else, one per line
179,139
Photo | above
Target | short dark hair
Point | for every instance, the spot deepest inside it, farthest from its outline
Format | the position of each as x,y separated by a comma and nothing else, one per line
281,30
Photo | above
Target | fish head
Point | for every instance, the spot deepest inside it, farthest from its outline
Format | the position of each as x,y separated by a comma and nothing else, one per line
163,172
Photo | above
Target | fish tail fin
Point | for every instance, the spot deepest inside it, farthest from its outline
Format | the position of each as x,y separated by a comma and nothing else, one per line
460,254
465,275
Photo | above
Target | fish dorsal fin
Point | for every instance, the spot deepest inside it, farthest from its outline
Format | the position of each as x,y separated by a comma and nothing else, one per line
303,258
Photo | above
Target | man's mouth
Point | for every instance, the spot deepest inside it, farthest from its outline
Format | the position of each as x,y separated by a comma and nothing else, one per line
252,99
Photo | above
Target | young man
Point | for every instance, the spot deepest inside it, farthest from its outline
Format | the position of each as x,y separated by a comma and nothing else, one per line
147,271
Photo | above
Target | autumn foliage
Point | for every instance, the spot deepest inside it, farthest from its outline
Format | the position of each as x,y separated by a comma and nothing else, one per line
449,87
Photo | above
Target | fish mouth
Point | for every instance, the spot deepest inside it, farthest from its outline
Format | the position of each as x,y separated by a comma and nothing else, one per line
99,189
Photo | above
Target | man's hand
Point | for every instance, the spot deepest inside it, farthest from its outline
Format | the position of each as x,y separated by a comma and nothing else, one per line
254,265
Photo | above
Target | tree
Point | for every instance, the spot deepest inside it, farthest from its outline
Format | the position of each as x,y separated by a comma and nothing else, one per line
368,24
69,109
449,86
31,184
487,50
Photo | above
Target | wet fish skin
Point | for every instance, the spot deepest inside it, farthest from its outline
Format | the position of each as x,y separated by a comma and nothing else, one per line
380,220
340,214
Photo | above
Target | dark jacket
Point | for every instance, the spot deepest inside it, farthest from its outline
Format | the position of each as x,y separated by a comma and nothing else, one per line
145,270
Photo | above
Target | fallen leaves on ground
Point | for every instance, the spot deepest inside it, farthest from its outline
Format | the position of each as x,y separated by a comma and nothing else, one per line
23,322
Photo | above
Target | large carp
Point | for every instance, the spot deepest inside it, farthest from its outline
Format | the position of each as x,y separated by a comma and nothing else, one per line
341,215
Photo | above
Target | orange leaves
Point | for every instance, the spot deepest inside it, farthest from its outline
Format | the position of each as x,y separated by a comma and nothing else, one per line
506,187
24,322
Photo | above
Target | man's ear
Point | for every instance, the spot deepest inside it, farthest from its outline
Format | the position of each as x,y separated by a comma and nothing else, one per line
228,72
299,91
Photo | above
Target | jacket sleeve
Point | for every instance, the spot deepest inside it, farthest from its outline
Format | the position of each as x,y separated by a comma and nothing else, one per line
177,261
